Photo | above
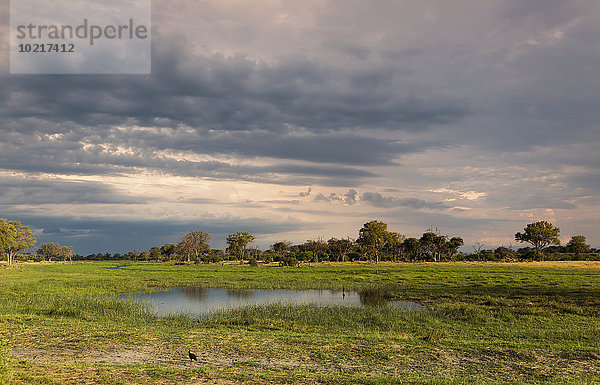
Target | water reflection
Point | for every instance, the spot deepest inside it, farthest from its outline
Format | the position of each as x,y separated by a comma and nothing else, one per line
195,293
240,294
373,298
199,300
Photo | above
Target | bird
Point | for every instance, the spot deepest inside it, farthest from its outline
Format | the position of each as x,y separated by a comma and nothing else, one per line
192,356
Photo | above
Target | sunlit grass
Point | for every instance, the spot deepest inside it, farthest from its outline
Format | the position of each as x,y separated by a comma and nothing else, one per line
483,323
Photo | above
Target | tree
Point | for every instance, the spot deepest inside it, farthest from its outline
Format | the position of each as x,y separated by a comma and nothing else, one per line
133,254
280,248
7,236
372,237
168,249
49,250
55,250
145,255
66,252
155,253
393,245
317,248
539,235
340,247
14,237
503,252
577,245
193,243
453,245
238,243
477,248
433,244
412,248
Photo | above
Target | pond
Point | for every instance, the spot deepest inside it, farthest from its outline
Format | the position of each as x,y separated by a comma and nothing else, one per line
201,300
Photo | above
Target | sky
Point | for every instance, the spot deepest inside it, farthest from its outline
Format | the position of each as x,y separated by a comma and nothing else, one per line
295,120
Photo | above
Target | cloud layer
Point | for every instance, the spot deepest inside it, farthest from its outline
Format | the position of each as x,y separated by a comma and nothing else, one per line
327,113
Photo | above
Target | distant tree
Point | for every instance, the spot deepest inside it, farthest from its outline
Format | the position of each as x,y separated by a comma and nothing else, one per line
133,254
253,253
393,245
54,250
14,237
168,249
477,247
8,234
539,234
215,256
155,253
433,244
503,252
145,255
317,247
372,237
340,247
66,252
280,248
49,250
238,243
453,245
194,243
577,245
412,248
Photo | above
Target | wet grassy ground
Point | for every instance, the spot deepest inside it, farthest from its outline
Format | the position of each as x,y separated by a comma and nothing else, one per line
520,323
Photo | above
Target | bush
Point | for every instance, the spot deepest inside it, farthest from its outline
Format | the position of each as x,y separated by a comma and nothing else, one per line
305,256
253,262
212,258
288,261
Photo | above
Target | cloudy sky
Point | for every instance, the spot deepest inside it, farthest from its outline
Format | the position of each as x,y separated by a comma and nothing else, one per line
299,119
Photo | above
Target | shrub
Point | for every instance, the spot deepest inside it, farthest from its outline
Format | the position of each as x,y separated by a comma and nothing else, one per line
288,261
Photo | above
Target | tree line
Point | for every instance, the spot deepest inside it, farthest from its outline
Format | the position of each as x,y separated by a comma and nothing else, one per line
374,243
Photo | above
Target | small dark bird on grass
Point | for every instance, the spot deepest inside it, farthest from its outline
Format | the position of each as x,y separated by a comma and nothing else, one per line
192,356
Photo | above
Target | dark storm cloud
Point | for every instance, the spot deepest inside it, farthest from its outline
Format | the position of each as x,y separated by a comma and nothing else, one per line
232,93
20,190
341,148
216,105
101,155
92,235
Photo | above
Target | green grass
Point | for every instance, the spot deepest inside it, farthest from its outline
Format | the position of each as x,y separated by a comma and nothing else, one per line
530,323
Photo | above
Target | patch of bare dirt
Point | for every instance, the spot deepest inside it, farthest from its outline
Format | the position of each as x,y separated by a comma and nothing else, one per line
464,363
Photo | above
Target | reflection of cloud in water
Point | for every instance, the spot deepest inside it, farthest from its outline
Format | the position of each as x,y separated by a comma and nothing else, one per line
240,293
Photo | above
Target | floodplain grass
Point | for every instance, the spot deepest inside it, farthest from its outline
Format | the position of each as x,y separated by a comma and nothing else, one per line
520,323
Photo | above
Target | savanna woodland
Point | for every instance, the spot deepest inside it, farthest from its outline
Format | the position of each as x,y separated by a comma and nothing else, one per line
502,315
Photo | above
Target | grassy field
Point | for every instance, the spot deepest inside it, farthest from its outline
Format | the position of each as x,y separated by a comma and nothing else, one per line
485,323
